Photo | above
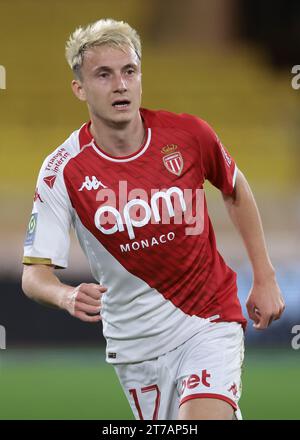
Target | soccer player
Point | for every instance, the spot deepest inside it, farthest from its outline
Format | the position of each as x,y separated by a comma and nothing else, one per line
130,181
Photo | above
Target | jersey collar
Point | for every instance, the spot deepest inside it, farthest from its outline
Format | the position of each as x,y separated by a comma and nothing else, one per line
86,139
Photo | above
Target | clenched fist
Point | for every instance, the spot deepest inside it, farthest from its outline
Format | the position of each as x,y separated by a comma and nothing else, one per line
84,302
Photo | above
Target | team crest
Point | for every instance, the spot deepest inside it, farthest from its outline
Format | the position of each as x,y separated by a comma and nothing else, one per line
173,160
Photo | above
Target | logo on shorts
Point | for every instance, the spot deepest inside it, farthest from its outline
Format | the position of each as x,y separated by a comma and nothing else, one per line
111,355
193,381
173,160
233,389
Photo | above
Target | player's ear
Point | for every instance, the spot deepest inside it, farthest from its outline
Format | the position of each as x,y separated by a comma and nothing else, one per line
78,90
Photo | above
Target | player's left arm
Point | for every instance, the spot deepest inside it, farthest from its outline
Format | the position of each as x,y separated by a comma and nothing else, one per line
265,302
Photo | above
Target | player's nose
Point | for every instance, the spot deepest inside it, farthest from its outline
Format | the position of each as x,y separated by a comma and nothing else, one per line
120,84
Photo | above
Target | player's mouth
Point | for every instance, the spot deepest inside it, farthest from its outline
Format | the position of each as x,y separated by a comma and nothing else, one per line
121,104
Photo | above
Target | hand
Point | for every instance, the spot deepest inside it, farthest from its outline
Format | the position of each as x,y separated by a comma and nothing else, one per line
265,303
84,302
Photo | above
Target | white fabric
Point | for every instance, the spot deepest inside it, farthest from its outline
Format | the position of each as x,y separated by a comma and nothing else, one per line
218,349
138,322
54,210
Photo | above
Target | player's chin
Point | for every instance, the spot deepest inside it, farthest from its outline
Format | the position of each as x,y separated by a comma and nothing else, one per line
124,118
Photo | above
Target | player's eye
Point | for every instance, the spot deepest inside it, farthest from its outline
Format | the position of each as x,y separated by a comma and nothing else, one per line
130,71
103,75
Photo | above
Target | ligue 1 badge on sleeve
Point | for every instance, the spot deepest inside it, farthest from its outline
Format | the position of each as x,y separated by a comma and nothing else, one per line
173,159
31,230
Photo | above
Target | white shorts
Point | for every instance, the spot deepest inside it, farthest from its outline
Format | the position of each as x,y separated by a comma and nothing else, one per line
208,365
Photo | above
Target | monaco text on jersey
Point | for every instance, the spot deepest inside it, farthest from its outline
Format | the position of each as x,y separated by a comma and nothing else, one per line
141,244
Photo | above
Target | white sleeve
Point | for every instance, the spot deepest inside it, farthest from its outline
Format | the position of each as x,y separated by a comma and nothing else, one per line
48,236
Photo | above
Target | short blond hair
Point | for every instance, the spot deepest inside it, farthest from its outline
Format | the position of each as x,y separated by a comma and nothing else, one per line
105,31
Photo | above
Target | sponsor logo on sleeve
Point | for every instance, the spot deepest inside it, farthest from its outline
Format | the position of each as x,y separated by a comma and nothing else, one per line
31,230
225,155
54,164
50,180
57,160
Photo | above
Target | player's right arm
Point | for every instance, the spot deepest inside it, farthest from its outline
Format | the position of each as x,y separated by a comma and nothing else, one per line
41,284
47,246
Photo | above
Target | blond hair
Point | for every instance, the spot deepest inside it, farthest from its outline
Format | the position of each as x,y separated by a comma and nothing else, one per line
105,31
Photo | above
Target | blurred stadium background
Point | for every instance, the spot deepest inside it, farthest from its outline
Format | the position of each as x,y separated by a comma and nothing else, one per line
228,61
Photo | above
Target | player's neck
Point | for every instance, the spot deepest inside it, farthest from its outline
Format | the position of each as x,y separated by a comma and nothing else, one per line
118,141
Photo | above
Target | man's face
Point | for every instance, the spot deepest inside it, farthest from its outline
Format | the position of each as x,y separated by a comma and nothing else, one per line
111,84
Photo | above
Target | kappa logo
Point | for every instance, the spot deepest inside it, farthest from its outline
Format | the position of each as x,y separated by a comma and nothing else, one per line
173,160
91,183
37,196
233,389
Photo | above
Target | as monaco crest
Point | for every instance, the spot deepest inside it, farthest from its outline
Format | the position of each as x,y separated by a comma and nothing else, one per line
174,161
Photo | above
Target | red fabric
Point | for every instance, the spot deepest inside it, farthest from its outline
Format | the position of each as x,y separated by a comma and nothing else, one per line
188,270
209,396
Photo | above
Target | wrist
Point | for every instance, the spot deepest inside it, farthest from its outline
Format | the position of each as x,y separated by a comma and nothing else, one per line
263,275
63,298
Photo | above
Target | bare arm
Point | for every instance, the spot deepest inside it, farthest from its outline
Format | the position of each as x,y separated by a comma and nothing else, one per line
84,301
265,302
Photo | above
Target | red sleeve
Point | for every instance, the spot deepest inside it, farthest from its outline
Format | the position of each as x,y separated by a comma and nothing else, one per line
218,166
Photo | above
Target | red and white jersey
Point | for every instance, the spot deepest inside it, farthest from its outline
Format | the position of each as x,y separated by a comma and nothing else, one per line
142,222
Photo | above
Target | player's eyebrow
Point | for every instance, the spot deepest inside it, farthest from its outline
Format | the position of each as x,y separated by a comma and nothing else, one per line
102,68
132,65
109,69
